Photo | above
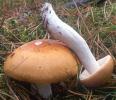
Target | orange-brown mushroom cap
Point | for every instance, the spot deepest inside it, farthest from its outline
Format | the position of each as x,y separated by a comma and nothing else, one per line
41,61
101,76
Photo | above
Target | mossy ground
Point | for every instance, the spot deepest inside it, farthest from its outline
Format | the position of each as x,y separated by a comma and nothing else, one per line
20,22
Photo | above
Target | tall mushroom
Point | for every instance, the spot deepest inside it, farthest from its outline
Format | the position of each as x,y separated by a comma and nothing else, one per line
42,62
63,32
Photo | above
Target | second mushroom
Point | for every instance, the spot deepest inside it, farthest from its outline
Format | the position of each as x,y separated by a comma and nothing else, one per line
65,33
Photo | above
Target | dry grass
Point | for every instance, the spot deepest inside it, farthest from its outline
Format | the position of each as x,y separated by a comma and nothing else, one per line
20,22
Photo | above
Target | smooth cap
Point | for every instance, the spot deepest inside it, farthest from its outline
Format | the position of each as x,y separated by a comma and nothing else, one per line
41,61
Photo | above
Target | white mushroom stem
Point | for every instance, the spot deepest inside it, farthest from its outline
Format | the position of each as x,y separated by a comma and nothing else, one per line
44,90
85,74
63,32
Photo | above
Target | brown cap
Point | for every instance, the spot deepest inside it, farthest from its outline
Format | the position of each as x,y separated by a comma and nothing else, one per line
41,61
101,76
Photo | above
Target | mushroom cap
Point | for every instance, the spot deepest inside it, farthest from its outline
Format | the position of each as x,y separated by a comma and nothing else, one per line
101,76
41,61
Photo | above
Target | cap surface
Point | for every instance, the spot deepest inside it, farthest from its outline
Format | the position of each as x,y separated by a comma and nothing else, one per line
101,76
41,61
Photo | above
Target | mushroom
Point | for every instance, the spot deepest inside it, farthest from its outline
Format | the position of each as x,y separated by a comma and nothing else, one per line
65,33
42,62
100,77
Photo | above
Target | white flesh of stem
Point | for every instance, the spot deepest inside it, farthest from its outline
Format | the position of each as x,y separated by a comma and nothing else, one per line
63,32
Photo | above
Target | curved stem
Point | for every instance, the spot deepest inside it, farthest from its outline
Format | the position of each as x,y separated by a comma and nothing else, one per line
63,32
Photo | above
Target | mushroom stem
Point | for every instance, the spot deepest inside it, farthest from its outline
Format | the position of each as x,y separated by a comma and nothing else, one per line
63,32
45,90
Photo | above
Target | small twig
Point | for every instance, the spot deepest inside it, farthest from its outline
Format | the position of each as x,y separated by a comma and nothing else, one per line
35,29
11,90
2,22
18,43
104,10
25,4
3,98
78,25
82,18
90,95
107,14
77,93
65,11
2,92
92,15
93,40
109,87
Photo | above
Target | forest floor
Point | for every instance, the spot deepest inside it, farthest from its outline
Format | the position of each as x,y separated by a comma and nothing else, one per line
20,22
